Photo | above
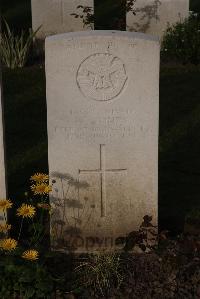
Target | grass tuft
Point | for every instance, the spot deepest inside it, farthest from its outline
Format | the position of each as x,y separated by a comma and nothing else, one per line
14,49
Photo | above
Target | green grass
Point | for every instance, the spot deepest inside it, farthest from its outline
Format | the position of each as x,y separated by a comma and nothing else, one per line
179,163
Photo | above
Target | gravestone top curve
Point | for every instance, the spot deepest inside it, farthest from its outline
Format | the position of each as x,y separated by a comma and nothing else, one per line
103,33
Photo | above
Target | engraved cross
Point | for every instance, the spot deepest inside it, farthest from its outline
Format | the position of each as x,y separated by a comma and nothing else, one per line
102,171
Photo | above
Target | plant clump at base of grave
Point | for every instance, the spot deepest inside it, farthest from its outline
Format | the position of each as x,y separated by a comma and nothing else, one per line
167,268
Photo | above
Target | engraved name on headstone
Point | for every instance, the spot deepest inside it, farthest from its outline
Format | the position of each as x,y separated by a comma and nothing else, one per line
102,106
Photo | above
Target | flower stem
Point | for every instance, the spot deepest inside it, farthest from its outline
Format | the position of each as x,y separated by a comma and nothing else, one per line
20,228
4,215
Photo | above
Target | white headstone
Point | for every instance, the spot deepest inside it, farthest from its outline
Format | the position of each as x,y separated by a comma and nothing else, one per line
2,162
102,105
154,16
55,16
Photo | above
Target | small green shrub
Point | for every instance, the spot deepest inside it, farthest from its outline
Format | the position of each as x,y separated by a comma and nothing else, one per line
14,49
24,280
181,42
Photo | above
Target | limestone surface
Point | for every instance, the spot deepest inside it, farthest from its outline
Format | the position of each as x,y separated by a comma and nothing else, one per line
103,111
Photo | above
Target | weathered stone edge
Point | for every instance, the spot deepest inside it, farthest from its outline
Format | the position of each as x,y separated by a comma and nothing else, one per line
103,33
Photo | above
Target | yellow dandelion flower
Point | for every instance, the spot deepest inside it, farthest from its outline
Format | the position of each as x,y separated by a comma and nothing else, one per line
30,255
8,244
4,228
44,206
5,204
40,177
26,211
41,189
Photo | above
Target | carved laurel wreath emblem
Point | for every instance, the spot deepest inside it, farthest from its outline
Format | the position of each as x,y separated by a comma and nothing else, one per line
101,76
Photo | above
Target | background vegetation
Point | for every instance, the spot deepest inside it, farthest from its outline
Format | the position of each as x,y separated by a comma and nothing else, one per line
195,5
18,13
